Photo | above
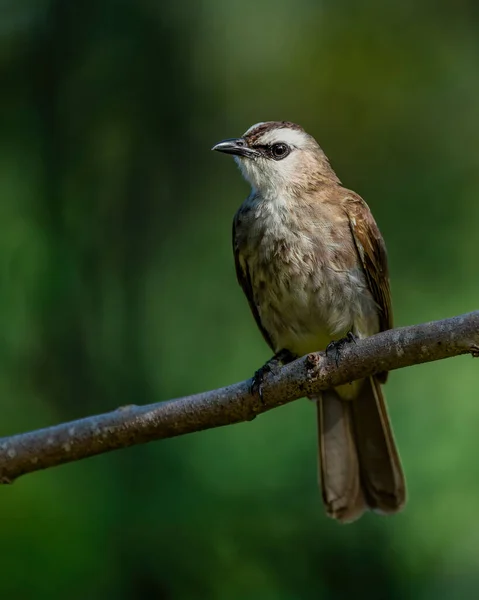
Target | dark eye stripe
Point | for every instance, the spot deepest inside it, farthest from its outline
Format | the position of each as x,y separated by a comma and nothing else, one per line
267,150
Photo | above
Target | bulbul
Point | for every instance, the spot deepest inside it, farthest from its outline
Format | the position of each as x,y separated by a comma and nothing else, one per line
312,263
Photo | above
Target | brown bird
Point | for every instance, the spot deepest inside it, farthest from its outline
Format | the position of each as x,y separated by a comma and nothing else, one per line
312,263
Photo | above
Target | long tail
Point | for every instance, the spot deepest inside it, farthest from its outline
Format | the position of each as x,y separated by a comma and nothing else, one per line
359,463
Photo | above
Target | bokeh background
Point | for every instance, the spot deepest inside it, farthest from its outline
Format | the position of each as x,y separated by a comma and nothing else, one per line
117,286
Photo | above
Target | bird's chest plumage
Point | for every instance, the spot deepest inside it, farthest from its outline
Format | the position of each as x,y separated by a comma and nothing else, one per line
305,281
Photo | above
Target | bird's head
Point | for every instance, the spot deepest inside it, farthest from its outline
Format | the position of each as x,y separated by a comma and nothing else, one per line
279,157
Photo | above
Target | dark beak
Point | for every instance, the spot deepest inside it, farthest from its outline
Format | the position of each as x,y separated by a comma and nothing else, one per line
237,147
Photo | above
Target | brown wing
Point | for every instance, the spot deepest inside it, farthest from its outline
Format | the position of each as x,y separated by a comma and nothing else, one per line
244,279
372,253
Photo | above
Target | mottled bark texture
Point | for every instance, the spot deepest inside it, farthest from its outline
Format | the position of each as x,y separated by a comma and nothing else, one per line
127,426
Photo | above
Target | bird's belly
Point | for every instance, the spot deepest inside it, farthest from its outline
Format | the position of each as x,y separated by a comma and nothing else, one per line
303,311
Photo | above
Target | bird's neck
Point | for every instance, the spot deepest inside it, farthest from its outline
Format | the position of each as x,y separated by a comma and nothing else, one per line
281,199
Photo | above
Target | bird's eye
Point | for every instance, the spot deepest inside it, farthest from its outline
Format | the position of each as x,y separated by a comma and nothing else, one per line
279,151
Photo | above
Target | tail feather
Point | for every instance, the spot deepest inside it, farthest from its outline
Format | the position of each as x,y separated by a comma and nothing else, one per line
381,471
360,466
341,488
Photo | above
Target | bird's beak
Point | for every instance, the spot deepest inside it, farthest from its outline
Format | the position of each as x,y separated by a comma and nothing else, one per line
237,147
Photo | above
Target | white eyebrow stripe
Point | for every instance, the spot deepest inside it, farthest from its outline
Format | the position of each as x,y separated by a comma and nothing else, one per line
253,127
289,136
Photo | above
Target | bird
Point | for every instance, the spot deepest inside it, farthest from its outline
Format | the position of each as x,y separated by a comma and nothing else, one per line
313,265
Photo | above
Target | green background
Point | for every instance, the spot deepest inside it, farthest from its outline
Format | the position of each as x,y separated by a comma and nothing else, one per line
117,286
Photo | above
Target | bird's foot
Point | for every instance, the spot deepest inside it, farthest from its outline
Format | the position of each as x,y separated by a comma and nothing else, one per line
280,358
334,348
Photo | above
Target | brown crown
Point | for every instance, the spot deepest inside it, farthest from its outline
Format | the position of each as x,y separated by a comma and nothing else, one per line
261,129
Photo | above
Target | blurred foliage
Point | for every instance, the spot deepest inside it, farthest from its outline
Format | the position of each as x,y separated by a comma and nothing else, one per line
118,286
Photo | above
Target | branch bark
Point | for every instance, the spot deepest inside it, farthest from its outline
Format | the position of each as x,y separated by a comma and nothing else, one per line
130,425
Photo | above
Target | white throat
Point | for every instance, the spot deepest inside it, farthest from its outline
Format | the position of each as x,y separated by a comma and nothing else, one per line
271,179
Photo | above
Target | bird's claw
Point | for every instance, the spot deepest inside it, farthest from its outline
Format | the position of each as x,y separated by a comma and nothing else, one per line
258,379
281,357
336,346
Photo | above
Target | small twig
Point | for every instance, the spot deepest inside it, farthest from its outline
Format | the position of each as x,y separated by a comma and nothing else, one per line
127,426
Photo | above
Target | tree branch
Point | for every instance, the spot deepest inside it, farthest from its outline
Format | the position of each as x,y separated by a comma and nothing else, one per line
127,426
